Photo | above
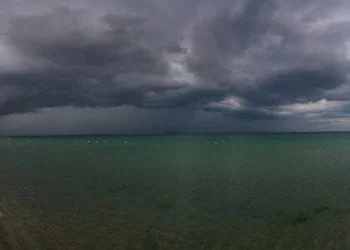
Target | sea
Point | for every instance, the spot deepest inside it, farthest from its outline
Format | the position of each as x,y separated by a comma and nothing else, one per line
241,191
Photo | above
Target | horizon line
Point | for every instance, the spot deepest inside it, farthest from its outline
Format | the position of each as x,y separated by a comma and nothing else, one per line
178,134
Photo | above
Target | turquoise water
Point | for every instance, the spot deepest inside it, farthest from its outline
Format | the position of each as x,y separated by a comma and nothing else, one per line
273,191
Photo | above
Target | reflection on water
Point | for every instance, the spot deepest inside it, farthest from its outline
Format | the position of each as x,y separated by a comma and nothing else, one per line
176,192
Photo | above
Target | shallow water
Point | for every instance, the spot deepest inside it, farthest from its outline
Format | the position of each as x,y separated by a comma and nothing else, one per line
276,191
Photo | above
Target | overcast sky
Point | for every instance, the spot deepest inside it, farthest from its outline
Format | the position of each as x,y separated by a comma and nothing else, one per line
165,66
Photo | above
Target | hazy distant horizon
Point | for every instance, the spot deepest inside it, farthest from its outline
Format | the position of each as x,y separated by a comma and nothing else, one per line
179,134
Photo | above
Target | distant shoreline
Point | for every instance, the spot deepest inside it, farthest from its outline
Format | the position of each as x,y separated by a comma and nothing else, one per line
175,134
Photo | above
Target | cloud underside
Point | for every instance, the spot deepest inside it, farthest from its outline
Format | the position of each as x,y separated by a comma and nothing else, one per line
256,62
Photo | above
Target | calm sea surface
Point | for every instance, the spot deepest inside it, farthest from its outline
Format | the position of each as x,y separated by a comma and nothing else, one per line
274,191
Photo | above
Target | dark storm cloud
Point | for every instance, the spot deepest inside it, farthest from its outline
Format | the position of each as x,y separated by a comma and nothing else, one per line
248,60
292,86
270,58
83,67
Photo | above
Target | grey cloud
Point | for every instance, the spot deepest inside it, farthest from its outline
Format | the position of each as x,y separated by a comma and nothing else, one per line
268,58
111,66
265,53
292,86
